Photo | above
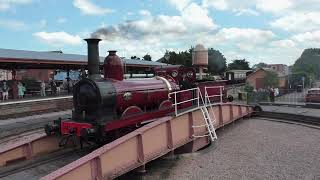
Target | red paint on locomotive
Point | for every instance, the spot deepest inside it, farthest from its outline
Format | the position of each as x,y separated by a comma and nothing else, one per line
146,93
67,126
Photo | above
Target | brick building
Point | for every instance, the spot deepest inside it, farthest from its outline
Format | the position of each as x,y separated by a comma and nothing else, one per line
256,79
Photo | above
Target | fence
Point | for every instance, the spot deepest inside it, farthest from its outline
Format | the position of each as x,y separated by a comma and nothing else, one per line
284,96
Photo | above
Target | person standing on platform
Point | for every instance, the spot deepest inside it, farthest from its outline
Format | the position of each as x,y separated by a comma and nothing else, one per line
5,91
58,88
42,88
21,90
53,87
271,94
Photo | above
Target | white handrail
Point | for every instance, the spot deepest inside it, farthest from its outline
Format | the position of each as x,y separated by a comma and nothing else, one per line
221,88
201,101
176,103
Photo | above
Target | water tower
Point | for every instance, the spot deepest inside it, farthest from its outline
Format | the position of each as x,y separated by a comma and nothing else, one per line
200,58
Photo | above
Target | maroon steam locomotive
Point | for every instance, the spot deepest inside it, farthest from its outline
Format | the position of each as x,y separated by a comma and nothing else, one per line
106,107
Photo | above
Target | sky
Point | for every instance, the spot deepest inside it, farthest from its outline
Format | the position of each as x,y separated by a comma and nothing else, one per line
270,31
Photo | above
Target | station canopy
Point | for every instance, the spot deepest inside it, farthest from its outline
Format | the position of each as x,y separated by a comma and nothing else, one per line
21,59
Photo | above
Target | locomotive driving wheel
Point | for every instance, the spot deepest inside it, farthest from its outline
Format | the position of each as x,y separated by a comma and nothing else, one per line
167,104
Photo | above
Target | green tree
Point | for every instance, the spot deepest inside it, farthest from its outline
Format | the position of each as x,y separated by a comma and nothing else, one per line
133,57
180,58
239,64
260,65
217,63
271,79
147,57
307,66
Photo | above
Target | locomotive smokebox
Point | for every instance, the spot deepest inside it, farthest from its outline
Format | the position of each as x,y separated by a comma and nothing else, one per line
113,67
93,58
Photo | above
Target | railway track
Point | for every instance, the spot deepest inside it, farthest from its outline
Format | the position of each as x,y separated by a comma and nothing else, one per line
22,108
65,156
309,121
16,137
24,114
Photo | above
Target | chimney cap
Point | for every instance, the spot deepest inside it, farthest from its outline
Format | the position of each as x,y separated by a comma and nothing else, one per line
92,39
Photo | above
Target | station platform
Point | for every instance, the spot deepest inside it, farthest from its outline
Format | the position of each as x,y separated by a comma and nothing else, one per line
32,106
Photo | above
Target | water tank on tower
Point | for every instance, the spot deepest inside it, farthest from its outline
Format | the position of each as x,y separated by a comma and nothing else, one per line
200,58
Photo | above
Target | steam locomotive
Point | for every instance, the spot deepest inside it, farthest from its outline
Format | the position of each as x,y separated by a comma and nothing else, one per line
105,108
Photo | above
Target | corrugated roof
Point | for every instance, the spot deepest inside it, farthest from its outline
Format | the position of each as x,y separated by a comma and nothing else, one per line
54,56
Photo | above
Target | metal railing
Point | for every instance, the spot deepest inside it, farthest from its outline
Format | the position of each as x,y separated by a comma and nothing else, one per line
197,99
220,95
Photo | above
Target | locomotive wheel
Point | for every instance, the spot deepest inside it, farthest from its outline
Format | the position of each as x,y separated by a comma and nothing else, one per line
131,111
165,105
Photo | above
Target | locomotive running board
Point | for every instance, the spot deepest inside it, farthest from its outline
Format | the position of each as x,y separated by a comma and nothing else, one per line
147,143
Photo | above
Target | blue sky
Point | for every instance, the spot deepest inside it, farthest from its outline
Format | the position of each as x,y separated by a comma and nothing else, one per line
271,31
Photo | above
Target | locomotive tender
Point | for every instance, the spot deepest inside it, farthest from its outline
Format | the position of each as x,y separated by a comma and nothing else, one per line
106,107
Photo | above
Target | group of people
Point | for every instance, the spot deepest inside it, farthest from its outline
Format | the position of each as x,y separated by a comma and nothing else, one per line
17,89
273,92
55,88
5,88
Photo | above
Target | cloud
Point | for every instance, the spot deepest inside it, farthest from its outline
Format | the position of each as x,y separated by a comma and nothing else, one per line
244,35
180,4
88,8
153,34
58,38
285,43
217,4
274,6
192,19
8,4
144,12
197,18
12,24
298,22
308,38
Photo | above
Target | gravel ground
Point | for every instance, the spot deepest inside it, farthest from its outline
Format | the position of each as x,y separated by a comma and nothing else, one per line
248,149
18,125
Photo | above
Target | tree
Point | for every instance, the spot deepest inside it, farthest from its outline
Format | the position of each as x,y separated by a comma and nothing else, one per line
135,57
308,63
239,64
180,58
271,79
307,66
260,65
216,61
147,57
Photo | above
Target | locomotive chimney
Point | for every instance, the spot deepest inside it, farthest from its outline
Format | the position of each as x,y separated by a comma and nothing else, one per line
93,58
